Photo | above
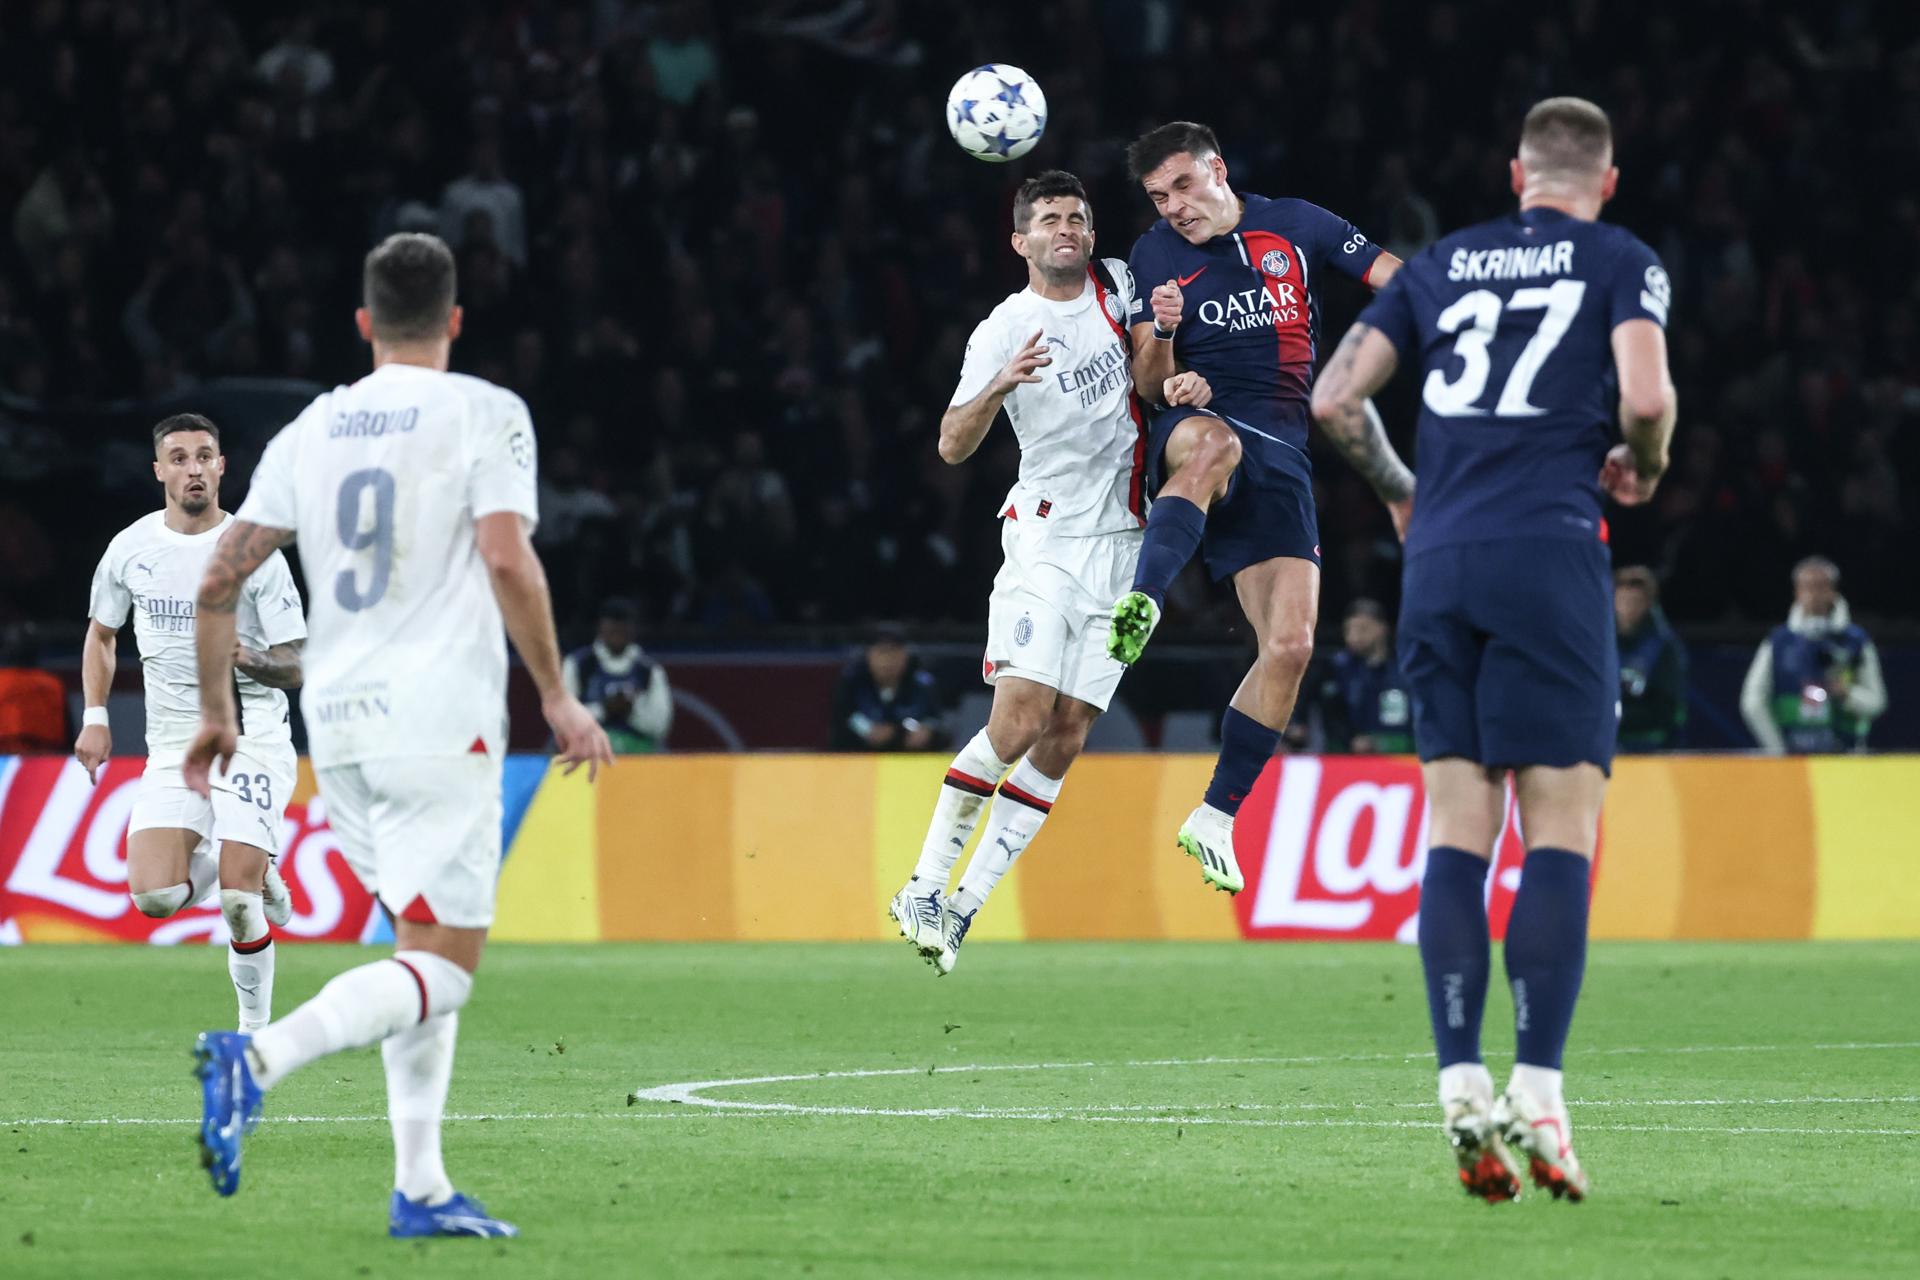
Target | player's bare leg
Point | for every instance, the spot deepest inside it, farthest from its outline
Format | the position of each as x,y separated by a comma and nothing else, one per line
1025,799
1546,958
250,953
1021,709
1467,803
166,870
1281,597
1200,457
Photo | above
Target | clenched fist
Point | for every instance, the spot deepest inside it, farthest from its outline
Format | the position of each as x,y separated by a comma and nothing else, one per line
1186,388
1168,305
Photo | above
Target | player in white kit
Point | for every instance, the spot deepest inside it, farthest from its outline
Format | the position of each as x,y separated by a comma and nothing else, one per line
411,494
1056,356
180,845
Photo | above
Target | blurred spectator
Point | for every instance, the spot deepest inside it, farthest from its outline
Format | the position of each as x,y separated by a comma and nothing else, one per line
484,197
1653,665
1815,684
626,690
886,700
33,703
1364,707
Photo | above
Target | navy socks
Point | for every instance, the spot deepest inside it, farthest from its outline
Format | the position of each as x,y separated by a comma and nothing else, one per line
1173,534
1546,952
1245,747
1454,950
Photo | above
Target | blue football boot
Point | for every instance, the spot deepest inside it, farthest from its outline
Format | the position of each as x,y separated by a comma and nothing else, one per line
457,1217
229,1104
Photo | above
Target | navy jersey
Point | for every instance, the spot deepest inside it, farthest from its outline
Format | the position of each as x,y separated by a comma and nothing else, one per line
1251,317
1511,323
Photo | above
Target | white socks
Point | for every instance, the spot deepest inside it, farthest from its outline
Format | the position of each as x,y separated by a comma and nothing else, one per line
360,1007
975,772
1025,799
1468,1081
249,956
419,1065
1542,1084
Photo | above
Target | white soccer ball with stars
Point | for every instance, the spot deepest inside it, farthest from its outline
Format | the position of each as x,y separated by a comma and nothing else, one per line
996,113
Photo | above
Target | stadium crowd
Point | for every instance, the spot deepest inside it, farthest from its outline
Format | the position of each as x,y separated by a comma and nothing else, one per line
730,258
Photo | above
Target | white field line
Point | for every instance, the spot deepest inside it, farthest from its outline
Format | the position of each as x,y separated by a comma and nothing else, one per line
691,1095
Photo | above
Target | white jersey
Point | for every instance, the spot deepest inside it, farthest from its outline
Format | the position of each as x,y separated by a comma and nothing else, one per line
155,573
1082,433
381,483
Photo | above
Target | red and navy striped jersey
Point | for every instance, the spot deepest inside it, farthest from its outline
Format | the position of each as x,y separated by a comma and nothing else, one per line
1251,319
1510,324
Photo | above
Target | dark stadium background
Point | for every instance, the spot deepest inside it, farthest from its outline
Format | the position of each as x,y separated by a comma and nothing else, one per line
750,258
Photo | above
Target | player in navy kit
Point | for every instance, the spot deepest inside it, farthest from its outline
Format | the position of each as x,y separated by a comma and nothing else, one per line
1534,334
1234,301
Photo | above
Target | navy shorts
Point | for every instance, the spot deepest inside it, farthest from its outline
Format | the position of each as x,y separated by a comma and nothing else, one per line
1268,511
1509,653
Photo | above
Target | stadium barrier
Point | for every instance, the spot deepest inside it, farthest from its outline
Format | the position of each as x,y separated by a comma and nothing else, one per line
788,847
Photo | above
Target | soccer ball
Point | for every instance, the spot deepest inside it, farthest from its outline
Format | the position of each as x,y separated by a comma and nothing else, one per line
996,113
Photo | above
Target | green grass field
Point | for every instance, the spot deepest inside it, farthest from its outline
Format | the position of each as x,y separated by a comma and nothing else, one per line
1102,1110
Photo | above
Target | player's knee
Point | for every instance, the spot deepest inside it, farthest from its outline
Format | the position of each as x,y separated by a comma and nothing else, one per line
161,903
1062,743
1216,452
1287,653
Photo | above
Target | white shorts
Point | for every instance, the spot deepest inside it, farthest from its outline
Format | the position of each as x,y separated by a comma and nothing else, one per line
247,803
421,832
1051,609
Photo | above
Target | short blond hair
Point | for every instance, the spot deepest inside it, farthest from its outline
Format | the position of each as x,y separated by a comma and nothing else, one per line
1566,137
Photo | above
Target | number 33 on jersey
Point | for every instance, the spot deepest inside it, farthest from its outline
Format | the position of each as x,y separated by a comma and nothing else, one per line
381,483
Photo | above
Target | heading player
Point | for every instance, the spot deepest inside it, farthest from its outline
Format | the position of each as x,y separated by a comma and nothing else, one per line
412,494
1237,305
1526,330
180,844
1057,357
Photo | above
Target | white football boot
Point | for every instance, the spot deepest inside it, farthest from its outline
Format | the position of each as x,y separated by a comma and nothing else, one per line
275,902
917,909
1207,837
1487,1167
1543,1134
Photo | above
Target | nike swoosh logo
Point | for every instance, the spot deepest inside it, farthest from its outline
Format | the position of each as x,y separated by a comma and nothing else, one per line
1184,281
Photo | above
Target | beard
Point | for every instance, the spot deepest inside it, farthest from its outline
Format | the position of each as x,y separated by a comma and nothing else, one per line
1056,273
194,503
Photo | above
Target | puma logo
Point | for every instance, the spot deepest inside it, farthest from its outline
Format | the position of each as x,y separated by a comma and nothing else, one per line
253,990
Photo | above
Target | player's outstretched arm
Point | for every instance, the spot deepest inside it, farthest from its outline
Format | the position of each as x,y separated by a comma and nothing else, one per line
243,548
1648,409
277,668
99,656
964,426
520,586
1360,366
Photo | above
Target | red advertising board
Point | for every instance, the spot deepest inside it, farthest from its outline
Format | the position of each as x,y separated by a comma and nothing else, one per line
63,849
1334,846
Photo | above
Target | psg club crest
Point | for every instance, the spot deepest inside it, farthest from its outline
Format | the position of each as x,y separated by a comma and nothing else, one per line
1275,262
1023,631
1113,308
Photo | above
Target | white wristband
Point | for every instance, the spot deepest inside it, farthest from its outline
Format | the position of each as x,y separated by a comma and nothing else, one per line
92,716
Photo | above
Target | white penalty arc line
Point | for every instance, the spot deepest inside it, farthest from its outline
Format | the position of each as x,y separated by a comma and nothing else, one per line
691,1096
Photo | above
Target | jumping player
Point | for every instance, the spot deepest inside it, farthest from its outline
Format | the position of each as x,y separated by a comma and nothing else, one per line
1056,356
1238,306
412,493
179,845
1525,329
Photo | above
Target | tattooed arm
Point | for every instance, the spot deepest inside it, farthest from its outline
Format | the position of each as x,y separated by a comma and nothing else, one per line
278,667
1359,367
241,550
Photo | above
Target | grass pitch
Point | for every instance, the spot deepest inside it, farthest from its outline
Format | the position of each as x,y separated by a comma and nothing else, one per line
1098,1110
